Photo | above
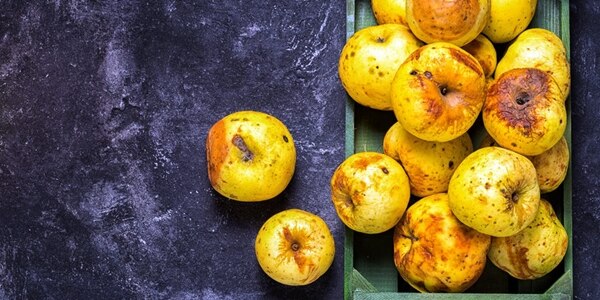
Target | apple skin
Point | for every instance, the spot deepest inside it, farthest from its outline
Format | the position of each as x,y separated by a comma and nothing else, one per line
508,18
484,51
429,165
434,251
495,191
251,156
370,192
369,60
295,247
438,92
541,49
535,250
524,111
552,166
456,22
389,11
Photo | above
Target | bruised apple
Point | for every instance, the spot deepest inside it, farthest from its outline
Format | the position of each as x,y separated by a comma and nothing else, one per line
370,192
456,22
369,60
250,155
552,165
294,247
495,191
484,51
535,250
429,165
524,111
438,92
434,251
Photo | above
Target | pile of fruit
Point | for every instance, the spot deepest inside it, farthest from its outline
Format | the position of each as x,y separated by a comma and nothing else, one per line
435,65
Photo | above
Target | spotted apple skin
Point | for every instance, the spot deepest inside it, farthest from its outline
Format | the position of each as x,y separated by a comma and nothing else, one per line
250,155
295,247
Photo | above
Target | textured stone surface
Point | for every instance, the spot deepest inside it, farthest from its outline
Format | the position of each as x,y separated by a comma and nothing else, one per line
104,110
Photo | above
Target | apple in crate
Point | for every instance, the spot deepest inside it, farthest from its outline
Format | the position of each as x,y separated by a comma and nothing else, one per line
370,192
485,52
508,18
535,250
434,251
294,247
524,111
251,156
438,92
429,165
369,60
495,191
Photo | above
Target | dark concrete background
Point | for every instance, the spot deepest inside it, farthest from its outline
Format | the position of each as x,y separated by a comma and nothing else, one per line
104,111
104,108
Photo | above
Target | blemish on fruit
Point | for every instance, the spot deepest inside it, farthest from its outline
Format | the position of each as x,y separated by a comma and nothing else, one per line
285,139
451,165
413,72
239,142
428,74
380,39
385,170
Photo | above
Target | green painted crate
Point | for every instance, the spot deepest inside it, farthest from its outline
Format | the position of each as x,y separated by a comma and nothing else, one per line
369,271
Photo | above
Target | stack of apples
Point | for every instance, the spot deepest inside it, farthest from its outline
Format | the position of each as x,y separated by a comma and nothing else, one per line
436,66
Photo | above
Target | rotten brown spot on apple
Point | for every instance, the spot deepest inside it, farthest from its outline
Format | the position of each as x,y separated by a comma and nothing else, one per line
239,142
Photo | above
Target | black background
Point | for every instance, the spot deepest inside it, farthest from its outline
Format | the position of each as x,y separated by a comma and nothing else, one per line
104,110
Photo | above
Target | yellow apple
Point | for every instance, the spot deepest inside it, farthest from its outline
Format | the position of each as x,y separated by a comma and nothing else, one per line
484,51
429,165
369,60
294,247
438,92
495,191
434,251
508,18
542,49
552,165
524,111
535,250
389,11
370,192
456,22
250,156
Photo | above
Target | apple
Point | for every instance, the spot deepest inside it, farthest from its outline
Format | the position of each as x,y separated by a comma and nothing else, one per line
495,191
552,166
250,155
456,22
438,92
429,165
485,52
294,247
541,49
524,111
434,251
369,60
389,11
534,251
508,18
370,192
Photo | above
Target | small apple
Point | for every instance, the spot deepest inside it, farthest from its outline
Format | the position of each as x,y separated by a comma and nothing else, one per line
370,192
369,61
429,165
552,166
438,92
495,191
524,111
294,247
250,155
484,51
389,11
508,18
535,250
434,251
456,22
541,49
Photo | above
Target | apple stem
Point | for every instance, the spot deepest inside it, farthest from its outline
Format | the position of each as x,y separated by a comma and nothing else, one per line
238,141
295,247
